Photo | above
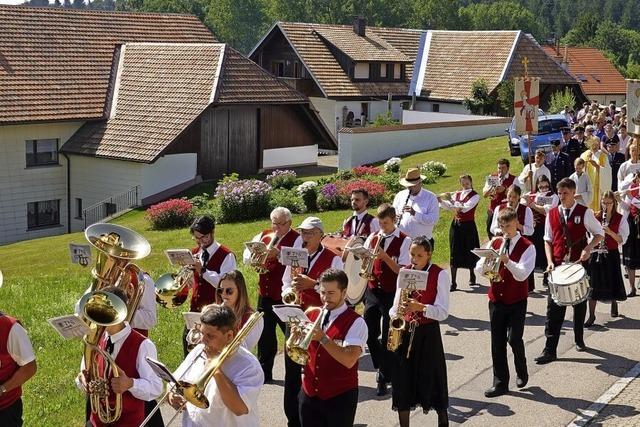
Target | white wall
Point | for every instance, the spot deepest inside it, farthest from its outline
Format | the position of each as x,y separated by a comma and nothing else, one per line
445,107
362,146
410,117
291,156
608,99
327,110
20,185
167,172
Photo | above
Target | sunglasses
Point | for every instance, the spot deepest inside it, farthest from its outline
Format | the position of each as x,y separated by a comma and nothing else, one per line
226,291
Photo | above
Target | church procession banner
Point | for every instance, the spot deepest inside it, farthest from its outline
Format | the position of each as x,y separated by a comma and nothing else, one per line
526,103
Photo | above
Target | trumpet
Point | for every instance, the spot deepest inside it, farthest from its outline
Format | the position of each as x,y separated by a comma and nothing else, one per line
448,196
292,297
491,266
297,345
259,257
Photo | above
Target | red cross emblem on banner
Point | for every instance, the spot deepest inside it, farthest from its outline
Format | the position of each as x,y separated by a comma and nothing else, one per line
528,105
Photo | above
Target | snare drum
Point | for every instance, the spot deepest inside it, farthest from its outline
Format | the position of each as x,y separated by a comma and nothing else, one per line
568,284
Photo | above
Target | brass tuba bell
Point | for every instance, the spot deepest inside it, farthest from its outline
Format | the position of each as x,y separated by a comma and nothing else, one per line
170,287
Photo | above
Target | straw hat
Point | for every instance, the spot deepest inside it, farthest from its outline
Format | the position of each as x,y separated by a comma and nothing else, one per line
412,177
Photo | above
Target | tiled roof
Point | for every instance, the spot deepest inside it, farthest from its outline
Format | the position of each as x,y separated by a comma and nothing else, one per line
591,68
455,59
55,63
161,88
333,80
370,47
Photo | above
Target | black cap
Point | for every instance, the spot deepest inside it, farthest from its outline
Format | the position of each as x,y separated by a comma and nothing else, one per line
555,142
565,130
611,141
578,128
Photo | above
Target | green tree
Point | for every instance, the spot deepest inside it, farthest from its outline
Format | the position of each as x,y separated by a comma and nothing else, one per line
501,15
560,98
481,100
504,96
583,31
129,5
240,23
434,14
193,7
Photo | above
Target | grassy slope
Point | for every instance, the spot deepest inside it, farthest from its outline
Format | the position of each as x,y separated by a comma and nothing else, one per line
40,283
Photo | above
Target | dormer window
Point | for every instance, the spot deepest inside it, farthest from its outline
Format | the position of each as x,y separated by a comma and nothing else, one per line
383,70
361,70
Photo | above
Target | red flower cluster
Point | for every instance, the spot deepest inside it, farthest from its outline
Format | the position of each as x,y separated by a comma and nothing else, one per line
375,189
366,170
170,213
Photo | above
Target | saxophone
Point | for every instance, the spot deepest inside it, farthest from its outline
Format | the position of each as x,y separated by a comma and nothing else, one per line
397,324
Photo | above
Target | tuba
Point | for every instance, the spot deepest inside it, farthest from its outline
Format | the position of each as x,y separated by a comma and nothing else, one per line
297,345
117,246
101,309
170,287
491,266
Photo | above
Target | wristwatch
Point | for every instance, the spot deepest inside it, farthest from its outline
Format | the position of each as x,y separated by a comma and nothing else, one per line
324,340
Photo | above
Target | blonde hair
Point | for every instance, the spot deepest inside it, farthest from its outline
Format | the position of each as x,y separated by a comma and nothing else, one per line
242,305
579,161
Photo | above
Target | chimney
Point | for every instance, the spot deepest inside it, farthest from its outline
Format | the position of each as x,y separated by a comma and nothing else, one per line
557,46
359,25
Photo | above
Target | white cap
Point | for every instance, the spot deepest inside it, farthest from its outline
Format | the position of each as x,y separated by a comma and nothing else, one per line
310,223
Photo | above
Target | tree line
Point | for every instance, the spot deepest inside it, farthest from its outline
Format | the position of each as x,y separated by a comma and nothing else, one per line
609,25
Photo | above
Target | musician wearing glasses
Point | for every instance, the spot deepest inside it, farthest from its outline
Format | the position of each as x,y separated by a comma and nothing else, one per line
212,260
233,291
508,302
524,213
531,173
391,248
565,234
270,283
136,380
361,223
304,282
329,394
496,194
420,375
416,208
17,366
234,388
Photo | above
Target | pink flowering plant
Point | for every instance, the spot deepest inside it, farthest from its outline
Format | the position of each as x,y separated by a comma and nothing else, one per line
244,199
360,171
282,179
172,213
376,190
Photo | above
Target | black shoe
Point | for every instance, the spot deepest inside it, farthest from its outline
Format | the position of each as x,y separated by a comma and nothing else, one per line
381,390
495,391
545,358
443,418
589,322
522,381
580,346
614,311
454,286
632,293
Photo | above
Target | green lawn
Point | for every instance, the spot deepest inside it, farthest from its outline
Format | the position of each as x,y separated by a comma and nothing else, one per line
40,282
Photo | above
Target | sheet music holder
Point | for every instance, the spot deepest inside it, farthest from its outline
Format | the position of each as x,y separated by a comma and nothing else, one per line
80,253
191,318
360,251
485,253
180,257
290,256
161,370
69,326
288,312
417,279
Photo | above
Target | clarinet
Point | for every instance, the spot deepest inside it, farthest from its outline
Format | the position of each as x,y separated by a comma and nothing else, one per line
406,202
602,245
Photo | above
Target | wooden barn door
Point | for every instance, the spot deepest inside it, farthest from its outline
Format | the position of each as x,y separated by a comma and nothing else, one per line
243,140
214,157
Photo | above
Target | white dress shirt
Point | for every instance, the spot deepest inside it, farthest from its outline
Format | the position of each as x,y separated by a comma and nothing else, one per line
426,206
546,206
439,310
464,206
374,226
622,147
522,181
357,333
286,277
520,270
19,346
583,187
228,264
246,255
625,170
405,257
592,225
146,315
243,370
148,386
527,229
253,336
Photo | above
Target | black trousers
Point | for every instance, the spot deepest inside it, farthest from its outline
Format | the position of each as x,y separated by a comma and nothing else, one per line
507,326
292,384
555,318
339,411
184,341
156,420
11,416
489,219
377,306
268,343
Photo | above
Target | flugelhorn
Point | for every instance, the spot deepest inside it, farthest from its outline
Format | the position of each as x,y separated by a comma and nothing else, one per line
259,257
292,296
170,287
366,270
491,266
297,345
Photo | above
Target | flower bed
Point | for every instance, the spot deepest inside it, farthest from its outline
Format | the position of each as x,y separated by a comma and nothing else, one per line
282,179
244,199
171,213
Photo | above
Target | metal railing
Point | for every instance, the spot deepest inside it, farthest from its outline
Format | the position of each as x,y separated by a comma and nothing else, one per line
111,206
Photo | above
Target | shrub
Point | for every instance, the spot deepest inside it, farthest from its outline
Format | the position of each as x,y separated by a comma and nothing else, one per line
171,213
308,191
385,119
360,171
376,190
392,165
243,200
229,178
343,175
282,179
289,199
200,201
434,168
329,197
560,98
391,182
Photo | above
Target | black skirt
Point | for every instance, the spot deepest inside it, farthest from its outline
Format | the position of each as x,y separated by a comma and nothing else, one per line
631,249
605,277
421,380
537,238
463,237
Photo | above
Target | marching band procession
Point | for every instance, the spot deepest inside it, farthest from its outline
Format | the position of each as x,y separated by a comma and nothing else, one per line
371,287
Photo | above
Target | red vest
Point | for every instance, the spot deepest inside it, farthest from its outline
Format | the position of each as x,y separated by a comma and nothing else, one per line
428,296
324,377
510,290
635,193
271,282
132,408
614,225
8,366
521,212
364,226
468,215
576,230
203,292
497,198
309,297
385,277
538,218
